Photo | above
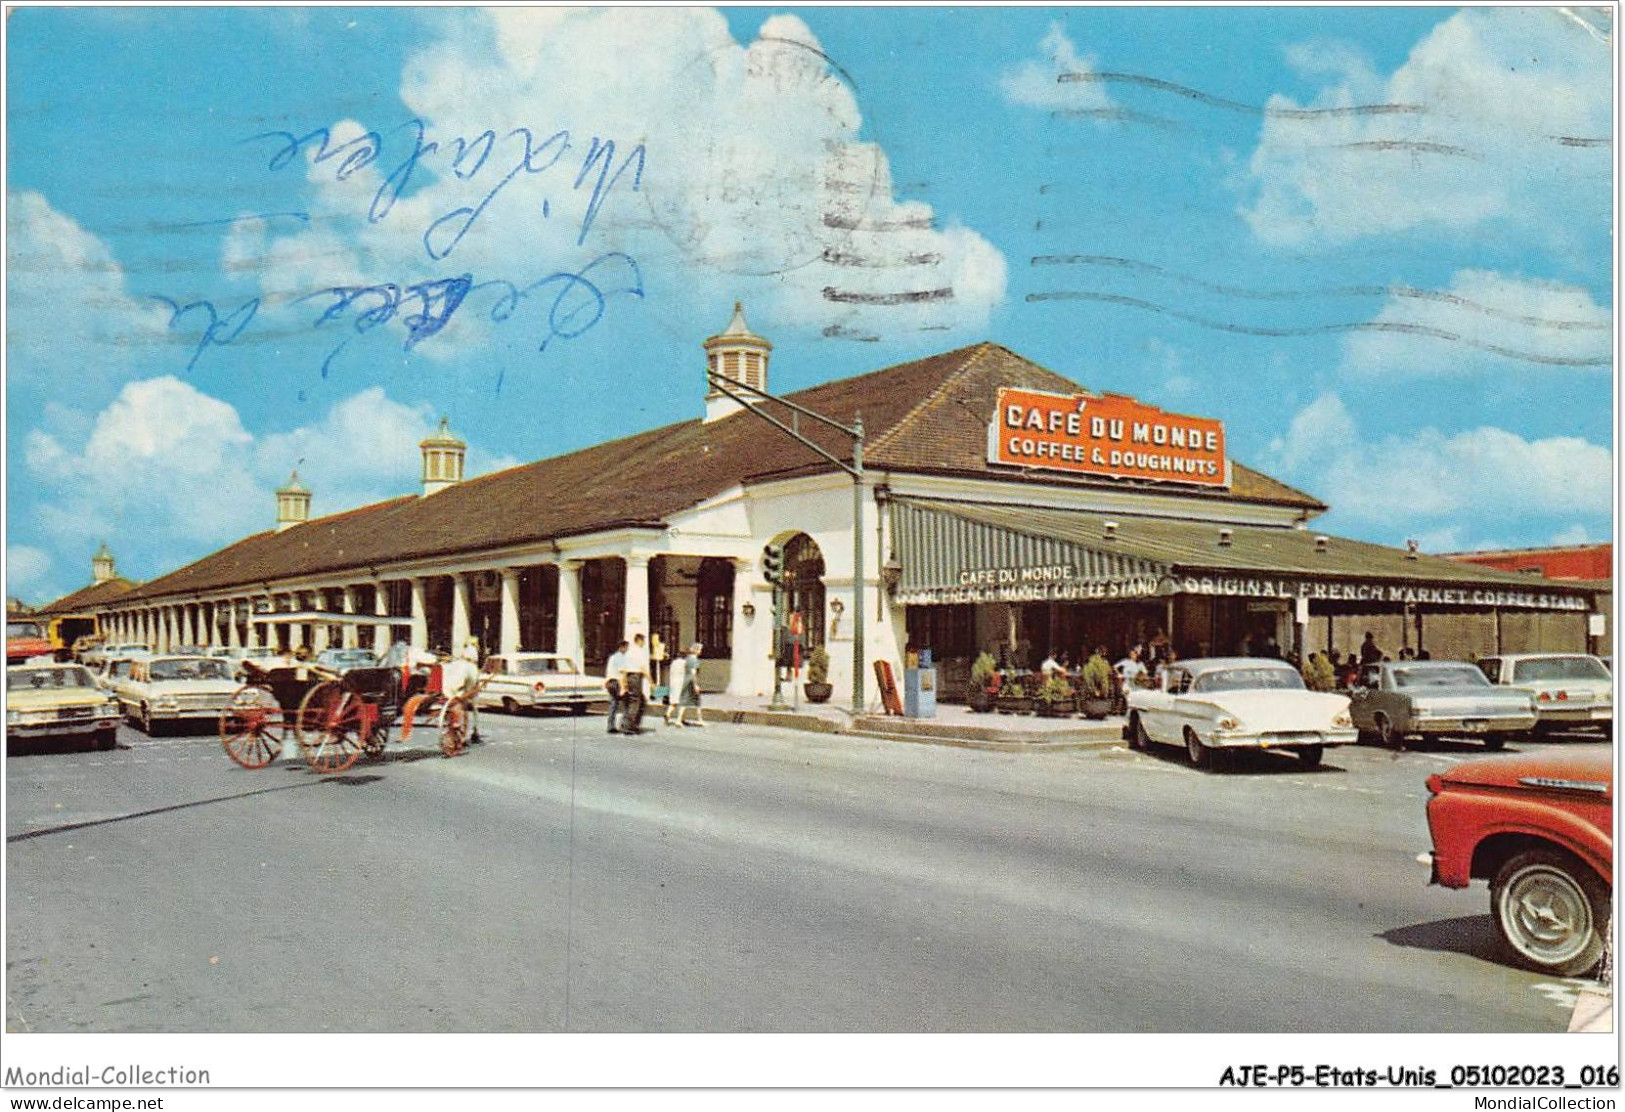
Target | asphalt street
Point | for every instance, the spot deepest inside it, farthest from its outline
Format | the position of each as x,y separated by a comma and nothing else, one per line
739,878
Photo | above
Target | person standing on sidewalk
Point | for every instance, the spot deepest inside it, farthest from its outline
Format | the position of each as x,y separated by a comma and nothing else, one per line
615,684
676,679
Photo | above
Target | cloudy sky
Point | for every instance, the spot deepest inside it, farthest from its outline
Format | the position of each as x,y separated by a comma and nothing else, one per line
1374,242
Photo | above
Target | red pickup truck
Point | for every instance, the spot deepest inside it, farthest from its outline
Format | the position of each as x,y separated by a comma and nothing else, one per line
1539,828
26,638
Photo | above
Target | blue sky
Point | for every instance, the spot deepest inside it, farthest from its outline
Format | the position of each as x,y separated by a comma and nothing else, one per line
1374,242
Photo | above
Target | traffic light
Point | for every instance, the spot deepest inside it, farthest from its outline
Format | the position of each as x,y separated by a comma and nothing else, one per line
773,564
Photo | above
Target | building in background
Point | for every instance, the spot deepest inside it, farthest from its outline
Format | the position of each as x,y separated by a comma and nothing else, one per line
1581,563
1004,508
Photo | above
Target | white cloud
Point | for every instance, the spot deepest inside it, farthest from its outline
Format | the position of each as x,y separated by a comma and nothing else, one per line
1513,323
1036,83
1426,475
173,470
1573,534
754,184
1512,101
69,314
26,571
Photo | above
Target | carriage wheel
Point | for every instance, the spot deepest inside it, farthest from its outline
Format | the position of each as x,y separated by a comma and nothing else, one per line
454,728
329,728
374,745
252,727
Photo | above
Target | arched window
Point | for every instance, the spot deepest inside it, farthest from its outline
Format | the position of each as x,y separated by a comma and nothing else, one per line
804,579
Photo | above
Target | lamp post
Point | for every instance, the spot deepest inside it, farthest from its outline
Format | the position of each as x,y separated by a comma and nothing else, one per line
732,389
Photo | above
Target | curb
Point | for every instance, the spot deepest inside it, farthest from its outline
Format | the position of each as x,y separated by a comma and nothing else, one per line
892,729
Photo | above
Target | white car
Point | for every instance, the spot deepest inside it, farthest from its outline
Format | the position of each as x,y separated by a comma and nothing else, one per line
113,674
524,681
1221,704
1570,690
176,688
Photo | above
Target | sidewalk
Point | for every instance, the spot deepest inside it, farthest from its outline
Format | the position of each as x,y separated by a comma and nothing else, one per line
953,725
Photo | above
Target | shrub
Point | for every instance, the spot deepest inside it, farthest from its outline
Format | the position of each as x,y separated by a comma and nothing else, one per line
983,671
1055,689
1097,678
818,666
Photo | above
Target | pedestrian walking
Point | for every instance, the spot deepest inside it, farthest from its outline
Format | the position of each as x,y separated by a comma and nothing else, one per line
615,684
676,676
1370,652
689,691
636,685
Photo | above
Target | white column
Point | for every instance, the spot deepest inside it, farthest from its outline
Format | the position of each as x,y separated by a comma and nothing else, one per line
567,641
636,617
351,640
747,665
420,616
234,635
459,612
383,636
509,641
171,627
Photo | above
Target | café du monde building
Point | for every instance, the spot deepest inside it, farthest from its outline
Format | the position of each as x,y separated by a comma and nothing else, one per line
1004,508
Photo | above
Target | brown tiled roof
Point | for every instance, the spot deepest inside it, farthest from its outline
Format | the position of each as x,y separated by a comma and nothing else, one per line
87,598
929,415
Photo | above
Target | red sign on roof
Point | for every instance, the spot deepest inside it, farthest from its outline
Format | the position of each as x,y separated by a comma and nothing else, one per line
1106,435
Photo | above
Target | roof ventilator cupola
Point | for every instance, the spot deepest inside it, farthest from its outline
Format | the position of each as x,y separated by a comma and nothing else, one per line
1412,549
1110,528
292,503
443,456
1226,537
736,355
1322,543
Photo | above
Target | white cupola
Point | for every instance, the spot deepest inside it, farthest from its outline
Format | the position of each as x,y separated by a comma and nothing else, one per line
292,503
101,565
443,456
738,354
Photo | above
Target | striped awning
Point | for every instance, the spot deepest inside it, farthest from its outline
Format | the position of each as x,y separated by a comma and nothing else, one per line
950,558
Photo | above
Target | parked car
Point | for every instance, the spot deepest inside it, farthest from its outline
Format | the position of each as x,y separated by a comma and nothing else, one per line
1221,704
1437,698
101,654
1571,690
259,654
1539,828
342,660
114,673
523,681
174,688
58,700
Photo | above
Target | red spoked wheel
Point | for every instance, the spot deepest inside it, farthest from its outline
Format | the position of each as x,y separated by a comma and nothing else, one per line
329,728
453,728
252,728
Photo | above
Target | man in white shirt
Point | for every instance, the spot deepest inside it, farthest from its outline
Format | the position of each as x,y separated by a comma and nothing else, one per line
615,684
1050,665
635,667
1130,670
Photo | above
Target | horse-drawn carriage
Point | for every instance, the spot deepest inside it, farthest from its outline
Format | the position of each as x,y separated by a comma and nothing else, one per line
336,719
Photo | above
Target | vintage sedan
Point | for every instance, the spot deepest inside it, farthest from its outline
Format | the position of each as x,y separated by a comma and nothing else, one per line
56,701
1571,690
1215,706
1437,698
342,660
527,681
176,688
1539,828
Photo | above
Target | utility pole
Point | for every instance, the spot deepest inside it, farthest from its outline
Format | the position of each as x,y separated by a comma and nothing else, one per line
728,387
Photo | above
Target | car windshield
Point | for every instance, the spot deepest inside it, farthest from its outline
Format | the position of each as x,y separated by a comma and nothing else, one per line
1560,668
1249,679
197,669
543,665
120,667
23,629
43,679
1464,676
348,656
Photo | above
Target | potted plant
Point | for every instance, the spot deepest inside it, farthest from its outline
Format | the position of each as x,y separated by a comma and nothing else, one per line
818,688
1096,682
1013,697
1056,698
984,684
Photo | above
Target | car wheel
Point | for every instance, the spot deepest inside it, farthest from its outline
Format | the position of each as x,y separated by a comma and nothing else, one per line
1389,737
146,719
578,708
1194,749
1494,742
106,739
1136,733
1551,910
1310,755
509,706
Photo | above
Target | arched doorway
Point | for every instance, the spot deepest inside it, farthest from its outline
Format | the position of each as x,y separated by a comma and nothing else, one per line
804,587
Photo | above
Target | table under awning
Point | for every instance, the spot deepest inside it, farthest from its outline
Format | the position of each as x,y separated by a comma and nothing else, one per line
950,552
